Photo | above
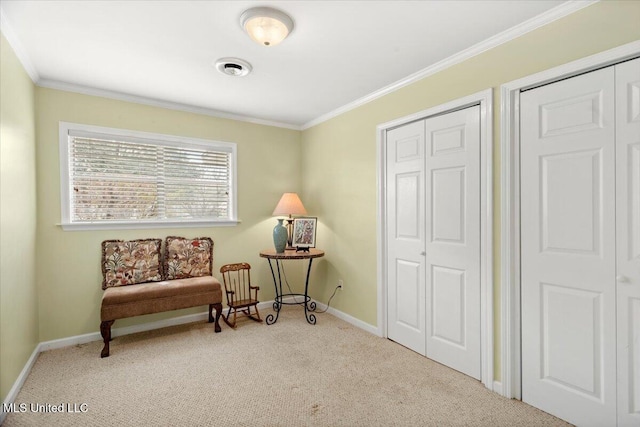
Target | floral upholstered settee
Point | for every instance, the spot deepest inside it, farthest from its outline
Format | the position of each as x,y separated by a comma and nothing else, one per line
138,280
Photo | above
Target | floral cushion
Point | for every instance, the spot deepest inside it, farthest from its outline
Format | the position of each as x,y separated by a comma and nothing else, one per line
188,257
127,262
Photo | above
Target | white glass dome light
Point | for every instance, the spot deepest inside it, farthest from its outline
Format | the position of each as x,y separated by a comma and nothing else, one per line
266,26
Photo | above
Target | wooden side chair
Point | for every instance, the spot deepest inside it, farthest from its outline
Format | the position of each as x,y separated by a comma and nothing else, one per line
237,285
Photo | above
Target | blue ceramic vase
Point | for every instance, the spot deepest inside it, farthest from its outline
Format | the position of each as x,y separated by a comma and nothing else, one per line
280,237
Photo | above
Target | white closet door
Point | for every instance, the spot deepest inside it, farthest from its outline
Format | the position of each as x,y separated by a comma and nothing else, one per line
453,240
405,236
568,249
628,240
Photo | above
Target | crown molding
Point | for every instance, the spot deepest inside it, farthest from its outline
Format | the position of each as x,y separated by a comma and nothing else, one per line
14,42
534,23
23,57
92,91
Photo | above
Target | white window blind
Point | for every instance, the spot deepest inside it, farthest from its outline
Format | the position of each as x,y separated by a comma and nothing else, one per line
119,177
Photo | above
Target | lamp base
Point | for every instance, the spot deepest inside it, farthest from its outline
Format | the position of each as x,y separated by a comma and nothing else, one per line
290,233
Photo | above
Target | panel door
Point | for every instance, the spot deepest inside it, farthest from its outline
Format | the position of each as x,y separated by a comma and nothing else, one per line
628,240
453,240
568,248
405,236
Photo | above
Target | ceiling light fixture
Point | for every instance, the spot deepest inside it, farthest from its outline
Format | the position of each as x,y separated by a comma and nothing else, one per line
233,67
266,25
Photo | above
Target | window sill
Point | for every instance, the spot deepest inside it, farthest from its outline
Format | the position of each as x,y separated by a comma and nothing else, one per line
136,225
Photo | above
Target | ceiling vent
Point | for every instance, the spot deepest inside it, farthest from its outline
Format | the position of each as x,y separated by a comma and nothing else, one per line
233,67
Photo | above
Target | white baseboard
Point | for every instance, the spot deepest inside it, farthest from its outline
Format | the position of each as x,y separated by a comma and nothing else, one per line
181,320
350,319
17,386
497,387
69,341
126,330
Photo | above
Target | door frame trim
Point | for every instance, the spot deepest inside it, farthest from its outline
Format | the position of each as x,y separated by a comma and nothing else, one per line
510,321
485,100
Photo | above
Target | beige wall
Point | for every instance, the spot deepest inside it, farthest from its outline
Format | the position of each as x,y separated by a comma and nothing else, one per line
339,156
68,262
18,300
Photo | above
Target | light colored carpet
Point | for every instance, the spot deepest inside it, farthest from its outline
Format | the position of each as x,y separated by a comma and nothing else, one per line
287,374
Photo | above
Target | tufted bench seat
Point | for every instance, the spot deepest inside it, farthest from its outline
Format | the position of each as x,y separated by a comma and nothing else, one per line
131,268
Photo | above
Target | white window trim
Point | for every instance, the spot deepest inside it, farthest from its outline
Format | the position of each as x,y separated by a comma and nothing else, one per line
158,139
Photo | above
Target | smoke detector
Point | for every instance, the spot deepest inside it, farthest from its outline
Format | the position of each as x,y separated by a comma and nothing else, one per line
233,67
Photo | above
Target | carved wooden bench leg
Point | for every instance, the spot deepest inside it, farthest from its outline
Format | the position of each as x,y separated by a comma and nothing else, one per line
105,331
218,308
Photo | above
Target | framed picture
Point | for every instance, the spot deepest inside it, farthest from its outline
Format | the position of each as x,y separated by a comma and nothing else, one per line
304,233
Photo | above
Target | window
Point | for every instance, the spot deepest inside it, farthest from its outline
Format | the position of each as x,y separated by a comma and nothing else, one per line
113,178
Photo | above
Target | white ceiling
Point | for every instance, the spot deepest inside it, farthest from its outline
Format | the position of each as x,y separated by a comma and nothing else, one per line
338,52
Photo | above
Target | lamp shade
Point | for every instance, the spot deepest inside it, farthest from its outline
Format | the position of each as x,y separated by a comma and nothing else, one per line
266,26
289,204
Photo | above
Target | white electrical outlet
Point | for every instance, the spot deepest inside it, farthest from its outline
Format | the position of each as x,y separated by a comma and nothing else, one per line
341,285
